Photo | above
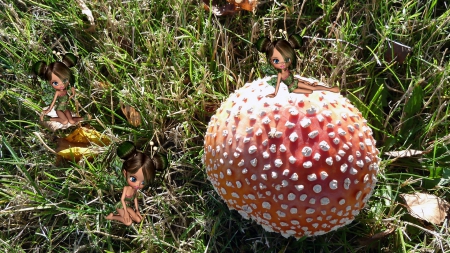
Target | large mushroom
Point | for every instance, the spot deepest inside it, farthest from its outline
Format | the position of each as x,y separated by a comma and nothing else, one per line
298,164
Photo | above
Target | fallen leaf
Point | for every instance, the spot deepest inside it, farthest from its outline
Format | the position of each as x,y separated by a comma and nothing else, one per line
76,153
404,153
248,5
86,135
133,116
396,51
78,144
426,207
231,7
86,11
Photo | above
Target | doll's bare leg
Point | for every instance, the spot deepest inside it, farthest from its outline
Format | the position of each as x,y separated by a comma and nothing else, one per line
133,215
61,117
302,91
315,86
72,120
119,217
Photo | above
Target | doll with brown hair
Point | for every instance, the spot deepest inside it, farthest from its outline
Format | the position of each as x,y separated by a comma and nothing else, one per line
58,75
281,56
139,171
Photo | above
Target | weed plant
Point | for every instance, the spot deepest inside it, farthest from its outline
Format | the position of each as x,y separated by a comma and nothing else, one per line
174,62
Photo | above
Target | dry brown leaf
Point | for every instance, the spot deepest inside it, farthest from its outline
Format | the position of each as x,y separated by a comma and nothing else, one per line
404,153
231,7
426,207
133,116
396,51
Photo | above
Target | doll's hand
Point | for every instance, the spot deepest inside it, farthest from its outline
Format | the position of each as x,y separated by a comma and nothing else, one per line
126,217
139,215
270,95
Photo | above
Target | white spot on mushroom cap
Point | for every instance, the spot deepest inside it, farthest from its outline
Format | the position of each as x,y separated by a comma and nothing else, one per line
278,163
274,174
323,175
289,124
305,122
316,156
324,146
299,187
293,137
324,201
307,164
313,134
292,159
306,151
273,148
317,188
333,184
291,196
312,177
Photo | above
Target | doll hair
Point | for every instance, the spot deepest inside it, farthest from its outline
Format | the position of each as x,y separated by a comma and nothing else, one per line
286,48
134,160
59,68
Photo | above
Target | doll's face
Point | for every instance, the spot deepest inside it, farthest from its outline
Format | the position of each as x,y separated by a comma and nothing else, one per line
135,180
278,61
57,83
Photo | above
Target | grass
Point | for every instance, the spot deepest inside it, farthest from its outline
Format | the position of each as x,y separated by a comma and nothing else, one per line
175,63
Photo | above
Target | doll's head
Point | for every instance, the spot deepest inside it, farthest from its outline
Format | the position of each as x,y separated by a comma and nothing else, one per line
284,48
136,164
56,73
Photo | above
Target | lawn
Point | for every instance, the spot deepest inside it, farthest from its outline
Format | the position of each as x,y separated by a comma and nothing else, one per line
174,63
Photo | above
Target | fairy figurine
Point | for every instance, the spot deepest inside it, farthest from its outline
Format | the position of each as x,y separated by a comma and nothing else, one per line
281,57
139,171
58,75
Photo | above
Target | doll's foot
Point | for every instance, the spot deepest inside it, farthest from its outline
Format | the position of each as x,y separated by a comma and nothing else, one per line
109,217
87,117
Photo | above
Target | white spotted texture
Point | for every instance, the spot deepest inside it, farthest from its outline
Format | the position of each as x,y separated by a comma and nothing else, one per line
292,163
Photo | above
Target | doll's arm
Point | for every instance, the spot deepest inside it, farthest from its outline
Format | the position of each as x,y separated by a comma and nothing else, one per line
73,93
51,105
126,216
136,207
276,87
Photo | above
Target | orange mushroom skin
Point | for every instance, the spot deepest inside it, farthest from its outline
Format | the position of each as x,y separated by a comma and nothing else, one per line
297,164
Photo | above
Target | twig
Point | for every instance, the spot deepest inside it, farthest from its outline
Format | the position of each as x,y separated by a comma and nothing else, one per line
339,40
43,143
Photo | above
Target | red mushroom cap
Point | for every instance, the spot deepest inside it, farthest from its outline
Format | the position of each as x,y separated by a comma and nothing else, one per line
298,164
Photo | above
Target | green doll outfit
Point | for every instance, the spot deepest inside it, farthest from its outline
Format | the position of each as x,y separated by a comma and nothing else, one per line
128,201
62,102
269,70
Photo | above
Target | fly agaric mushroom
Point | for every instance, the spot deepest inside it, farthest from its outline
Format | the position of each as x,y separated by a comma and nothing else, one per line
297,164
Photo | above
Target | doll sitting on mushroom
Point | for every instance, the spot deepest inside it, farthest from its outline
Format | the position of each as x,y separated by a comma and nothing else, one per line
58,75
281,57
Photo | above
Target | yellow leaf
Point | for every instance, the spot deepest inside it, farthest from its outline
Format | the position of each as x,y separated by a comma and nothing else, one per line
85,135
77,153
